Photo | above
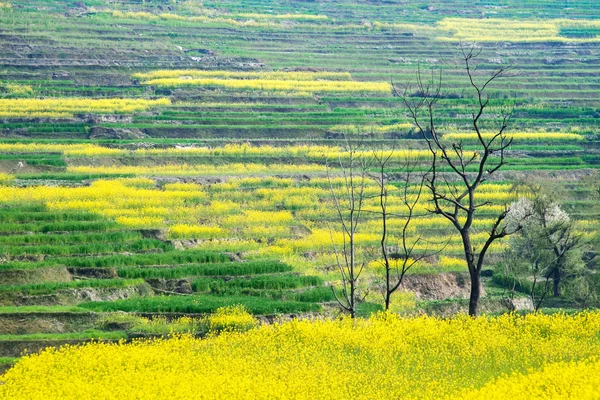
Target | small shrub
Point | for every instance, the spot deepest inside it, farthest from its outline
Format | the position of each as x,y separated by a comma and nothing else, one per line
234,318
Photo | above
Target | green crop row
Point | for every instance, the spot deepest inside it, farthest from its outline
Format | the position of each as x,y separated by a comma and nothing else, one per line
49,287
261,282
87,249
70,238
206,269
201,304
122,260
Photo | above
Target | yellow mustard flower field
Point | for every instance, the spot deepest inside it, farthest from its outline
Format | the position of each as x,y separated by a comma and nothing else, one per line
384,357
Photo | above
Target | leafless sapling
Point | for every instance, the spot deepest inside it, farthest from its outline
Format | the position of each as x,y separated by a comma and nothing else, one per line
399,259
352,166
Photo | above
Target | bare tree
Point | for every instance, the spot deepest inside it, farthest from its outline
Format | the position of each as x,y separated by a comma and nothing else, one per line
403,256
352,165
456,201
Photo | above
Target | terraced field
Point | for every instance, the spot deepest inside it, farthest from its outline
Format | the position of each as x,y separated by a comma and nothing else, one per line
165,158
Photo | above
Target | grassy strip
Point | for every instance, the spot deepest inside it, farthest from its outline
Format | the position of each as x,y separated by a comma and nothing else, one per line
315,295
41,309
68,226
269,282
121,260
320,294
71,176
520,284
201,304
27,214
212,269
49,287
89,334
96,248
48,239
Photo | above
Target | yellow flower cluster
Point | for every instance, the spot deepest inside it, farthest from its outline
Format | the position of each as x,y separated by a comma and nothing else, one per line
294,217
371,128
512,30
13,89
574,380
291,215
5,179
519,136
284,16
228,150
419,358
324,240
240,20
277,21
69,150
452,264
185,231
199,169
276,84
231,319
268,75
68,107
244,149
125,200
444,264
260,217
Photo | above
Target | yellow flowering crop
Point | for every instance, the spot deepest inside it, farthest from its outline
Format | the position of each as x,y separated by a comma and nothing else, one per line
520,136
227,19
269,75
198,169
183,231
263,80
284,16
5,179
574,380
229,150
385,357
13,89
232,318
292,215
68,107
210,16
280,85
69,150
513,30
372,128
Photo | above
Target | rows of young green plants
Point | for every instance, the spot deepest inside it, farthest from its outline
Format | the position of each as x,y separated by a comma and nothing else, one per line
124,258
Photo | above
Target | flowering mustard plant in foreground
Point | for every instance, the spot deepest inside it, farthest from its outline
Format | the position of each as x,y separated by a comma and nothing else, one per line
575,380
385,357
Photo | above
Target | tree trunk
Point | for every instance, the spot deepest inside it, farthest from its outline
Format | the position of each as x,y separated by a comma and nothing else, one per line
475,292
556,281
387,299
351,273
473,272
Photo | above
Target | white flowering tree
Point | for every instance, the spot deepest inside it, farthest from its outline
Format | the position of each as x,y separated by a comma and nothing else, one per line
547,247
